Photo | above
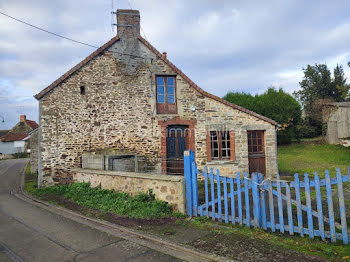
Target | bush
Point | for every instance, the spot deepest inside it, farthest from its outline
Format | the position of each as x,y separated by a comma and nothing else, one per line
20,155
275,104
306,130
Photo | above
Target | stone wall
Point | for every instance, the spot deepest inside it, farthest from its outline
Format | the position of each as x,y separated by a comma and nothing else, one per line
168,188
34,151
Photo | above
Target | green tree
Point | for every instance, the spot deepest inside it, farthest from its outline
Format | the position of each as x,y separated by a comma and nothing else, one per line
319,87
275,104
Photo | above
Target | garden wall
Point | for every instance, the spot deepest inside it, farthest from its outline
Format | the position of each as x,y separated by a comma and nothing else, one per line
165,187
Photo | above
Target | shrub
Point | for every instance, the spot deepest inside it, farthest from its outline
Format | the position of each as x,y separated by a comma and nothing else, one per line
275,104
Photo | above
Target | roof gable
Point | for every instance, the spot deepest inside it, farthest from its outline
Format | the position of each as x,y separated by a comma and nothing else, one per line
164,59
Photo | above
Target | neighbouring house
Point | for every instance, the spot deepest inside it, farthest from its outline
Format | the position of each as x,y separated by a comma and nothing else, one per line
16,140
126,104
337,118
33,145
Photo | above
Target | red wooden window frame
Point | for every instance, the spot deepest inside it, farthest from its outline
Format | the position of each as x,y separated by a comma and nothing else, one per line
166,107
230,145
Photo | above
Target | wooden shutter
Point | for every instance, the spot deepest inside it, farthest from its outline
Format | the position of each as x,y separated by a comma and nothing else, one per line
208,146
232,145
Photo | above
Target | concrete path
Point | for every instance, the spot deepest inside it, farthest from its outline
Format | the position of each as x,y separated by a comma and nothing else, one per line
31,233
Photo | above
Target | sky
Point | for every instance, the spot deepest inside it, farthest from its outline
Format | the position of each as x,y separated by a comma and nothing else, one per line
222,45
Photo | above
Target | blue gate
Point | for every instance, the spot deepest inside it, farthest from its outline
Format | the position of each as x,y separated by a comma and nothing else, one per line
270,203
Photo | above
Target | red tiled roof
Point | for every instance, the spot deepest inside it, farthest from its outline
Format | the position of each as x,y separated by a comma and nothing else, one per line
13,137
171,65
32,124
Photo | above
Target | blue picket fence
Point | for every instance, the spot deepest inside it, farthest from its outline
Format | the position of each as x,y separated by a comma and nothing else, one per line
271,203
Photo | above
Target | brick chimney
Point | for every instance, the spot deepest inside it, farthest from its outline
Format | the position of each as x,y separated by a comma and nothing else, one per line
22,118
128,23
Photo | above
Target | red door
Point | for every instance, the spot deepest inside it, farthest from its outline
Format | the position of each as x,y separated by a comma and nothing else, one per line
256,152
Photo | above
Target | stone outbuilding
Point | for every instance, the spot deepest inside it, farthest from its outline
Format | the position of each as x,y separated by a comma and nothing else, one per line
127,97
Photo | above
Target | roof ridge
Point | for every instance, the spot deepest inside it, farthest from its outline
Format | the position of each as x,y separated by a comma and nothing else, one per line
200,90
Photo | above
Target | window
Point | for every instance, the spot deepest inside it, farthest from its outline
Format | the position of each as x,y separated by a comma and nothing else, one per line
255,142
82,90
166,95
221,145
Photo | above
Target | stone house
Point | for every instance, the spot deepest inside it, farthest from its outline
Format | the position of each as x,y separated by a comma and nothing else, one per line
16,140
128,97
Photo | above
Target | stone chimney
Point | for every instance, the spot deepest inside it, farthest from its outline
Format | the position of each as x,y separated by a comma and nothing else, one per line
128,23
22,118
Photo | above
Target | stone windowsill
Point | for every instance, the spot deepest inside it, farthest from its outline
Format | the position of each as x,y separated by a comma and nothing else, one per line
222,162
130,174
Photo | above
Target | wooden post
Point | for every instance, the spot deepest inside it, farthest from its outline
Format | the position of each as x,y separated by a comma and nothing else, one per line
233,209
206,191
342,208
194,171
330,206
308,206
299,210
188,159
319,206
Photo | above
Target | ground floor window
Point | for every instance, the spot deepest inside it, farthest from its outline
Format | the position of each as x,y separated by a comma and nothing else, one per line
220,145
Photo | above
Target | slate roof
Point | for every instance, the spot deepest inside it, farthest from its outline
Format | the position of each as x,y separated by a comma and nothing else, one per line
160,56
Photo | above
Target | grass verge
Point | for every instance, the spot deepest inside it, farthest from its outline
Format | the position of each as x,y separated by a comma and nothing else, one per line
309,158
143,205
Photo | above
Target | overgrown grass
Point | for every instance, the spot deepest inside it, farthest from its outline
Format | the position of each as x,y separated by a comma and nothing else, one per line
310,158
143,205
333,252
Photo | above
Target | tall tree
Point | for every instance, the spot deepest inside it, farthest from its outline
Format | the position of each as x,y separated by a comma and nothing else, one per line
318,83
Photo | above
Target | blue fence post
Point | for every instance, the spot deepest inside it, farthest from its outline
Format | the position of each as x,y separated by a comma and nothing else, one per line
188,159
225,199
342,208
330,206
289,210
246,193
308,206
262,201
212,193
280,205
299,210
239,198
206,191
194,188
256,202
272,208
219,193
233,210
319,206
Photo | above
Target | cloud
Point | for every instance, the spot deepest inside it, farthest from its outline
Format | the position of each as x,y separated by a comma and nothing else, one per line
222,45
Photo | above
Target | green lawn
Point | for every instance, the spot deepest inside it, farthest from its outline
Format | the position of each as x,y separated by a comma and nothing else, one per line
309,158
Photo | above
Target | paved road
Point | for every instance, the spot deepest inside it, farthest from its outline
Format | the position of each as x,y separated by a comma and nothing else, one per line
30,233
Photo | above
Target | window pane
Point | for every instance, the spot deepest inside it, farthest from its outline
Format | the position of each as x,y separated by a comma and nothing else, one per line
160,94
160,99
171,81
160,80
171,99
171,90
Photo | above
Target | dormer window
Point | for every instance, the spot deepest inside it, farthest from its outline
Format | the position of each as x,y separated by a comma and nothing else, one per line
82,90
166,95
